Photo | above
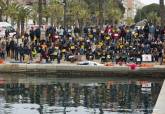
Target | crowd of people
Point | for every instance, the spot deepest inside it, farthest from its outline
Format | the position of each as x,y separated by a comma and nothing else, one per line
110,44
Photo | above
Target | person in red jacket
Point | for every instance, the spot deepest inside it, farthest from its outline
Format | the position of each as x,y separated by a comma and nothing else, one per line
115,35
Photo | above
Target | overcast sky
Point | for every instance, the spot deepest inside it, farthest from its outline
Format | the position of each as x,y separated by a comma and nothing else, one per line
149,1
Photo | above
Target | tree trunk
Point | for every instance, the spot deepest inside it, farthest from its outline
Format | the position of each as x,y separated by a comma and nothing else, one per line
77,20
22,26
12,21
52,20
162,12
26,24
100,13
1,15
18,26
40,12
7,4
47,20
45,6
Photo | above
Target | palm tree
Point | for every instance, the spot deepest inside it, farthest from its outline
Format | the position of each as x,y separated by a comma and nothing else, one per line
153,17
54,11
2,8
7,4
18,14
34,12
12,12
78,10
22,15
162,12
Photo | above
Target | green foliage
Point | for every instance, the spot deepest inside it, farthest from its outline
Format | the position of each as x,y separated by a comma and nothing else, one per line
153,17
147,11
13,11
2,5
77,11
112,11
80,11
33,14
54,10
129,21
17,12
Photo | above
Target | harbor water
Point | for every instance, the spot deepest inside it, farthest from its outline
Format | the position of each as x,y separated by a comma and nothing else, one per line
49,95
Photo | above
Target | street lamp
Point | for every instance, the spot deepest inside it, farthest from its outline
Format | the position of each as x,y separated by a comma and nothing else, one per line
64,3
65,9
40,12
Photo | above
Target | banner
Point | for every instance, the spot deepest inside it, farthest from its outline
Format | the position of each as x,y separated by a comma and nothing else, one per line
147,58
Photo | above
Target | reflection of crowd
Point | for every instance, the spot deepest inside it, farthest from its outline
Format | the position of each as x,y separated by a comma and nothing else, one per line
116,44
105,96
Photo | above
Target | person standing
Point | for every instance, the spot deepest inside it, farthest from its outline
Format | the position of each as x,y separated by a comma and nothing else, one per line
16,49
2,49
21,53
7,48
32,34
152,32
38,34
12,44
6,33
51,53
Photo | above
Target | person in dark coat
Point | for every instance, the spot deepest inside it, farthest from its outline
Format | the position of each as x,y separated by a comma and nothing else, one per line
6,33
38,33
21,53
32,34
12,44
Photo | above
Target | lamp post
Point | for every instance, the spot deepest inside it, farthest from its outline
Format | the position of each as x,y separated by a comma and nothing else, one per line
65,10
0,13
64,3
100,13
40,12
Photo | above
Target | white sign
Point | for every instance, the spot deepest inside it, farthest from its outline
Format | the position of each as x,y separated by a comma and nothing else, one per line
146,58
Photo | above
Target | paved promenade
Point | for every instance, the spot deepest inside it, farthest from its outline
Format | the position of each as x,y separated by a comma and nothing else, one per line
160,104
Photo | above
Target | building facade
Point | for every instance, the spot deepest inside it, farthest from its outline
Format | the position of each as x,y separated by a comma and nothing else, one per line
131,8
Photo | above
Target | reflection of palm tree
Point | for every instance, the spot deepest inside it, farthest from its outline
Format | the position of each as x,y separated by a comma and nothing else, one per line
64,94
86,93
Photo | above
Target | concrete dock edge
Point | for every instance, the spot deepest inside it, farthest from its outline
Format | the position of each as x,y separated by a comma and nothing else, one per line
63,69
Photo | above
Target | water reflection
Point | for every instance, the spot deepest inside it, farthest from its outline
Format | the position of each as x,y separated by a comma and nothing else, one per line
60,96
